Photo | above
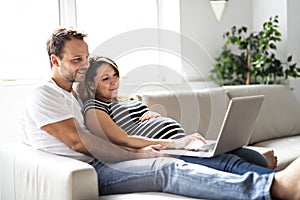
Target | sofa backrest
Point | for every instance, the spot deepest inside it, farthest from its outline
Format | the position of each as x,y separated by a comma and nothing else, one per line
12,102
280,113
199,111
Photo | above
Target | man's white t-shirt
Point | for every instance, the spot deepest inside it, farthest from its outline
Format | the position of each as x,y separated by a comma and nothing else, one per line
46,104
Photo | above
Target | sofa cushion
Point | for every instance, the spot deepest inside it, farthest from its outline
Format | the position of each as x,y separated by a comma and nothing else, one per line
286,149
199,111
280,113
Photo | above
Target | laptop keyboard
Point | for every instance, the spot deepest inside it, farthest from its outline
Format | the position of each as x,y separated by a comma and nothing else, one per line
198,145
206,147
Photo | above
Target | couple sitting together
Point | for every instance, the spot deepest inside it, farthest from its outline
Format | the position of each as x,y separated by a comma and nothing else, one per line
120,139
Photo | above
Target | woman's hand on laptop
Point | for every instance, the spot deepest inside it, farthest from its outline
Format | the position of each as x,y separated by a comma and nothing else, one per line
196,141
188,141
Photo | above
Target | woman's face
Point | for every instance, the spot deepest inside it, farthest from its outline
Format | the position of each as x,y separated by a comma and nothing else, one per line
106,83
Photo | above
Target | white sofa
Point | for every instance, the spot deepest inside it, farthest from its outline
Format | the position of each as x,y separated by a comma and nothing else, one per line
30,174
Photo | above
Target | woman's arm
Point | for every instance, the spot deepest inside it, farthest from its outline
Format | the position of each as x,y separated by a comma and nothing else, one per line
100,123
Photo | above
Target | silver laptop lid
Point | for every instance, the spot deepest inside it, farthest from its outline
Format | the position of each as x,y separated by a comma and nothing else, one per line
239,122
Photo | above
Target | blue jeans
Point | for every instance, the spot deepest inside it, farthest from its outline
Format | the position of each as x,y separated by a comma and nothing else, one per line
251,156
176,176
238,161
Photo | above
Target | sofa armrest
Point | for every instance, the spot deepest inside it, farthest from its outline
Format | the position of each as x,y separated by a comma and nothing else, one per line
27,173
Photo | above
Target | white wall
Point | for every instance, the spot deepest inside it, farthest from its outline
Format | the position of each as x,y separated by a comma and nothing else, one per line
198,23
293,42
263,10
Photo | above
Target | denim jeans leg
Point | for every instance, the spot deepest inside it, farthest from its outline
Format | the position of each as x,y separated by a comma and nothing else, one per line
178,177
228,163
251,156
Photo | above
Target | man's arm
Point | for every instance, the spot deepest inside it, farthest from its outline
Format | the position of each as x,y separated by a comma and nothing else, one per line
70,133
67,132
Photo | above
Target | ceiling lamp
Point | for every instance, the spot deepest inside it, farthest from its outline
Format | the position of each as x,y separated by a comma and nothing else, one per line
218,7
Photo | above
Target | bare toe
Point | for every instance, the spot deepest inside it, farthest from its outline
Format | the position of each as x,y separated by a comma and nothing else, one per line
271,159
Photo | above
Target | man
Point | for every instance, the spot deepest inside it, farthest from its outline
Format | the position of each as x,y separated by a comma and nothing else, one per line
54,123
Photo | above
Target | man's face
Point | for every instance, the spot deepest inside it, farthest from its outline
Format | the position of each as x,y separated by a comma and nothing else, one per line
74,62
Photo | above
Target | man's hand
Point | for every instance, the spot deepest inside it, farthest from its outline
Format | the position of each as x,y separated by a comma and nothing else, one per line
150,151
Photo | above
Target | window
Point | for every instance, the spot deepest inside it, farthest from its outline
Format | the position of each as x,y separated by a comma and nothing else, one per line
127,31
115,30
25,26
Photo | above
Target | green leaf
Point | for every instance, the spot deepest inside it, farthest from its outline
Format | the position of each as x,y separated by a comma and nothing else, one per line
273,46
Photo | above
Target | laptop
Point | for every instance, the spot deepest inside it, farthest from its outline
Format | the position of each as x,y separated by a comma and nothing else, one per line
235,132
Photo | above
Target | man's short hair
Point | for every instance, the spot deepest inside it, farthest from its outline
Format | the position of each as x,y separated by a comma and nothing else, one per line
56,41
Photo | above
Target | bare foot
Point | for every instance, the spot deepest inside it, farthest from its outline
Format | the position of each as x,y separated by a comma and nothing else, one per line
286,184
271,158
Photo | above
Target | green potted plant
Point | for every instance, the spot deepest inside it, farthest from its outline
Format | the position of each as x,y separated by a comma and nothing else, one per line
250,58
